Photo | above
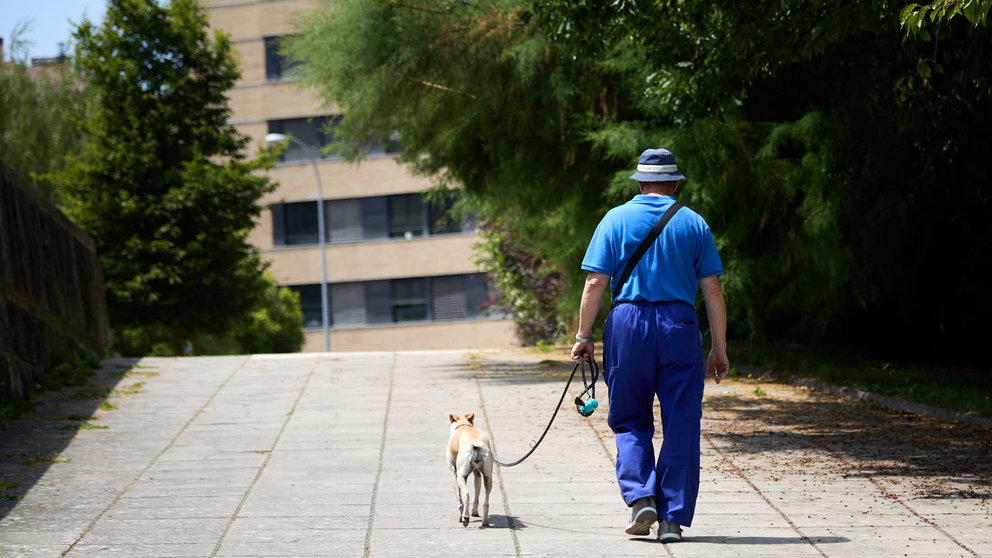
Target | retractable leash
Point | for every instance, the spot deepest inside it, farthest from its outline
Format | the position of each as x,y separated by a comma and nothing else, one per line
585,408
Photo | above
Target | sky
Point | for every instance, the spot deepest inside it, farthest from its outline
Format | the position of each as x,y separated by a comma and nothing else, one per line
49,22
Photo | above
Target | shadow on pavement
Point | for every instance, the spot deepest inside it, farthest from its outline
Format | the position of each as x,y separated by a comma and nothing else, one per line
947,459
31,445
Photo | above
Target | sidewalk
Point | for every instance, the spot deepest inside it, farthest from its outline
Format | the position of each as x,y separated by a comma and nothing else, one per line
343,455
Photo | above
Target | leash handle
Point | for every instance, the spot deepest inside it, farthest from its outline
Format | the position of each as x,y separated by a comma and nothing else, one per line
594,369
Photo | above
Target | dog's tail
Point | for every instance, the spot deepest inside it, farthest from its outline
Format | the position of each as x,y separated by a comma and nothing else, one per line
479,451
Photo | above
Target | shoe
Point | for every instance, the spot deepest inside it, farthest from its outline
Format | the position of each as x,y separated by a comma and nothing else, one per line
669,532
642,518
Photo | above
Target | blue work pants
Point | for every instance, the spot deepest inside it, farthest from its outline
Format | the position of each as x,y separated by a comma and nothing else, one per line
654,349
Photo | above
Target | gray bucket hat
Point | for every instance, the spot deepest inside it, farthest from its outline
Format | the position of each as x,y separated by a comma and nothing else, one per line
657,165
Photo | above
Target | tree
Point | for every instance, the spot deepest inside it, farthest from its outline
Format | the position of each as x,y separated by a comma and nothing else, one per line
843,172
38,117
915,17
273,325
160,181
844,190
481,99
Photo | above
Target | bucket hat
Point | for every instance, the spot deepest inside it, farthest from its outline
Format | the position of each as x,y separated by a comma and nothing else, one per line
657,165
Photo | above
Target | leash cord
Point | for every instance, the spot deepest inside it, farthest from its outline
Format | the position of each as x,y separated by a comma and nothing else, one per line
594,372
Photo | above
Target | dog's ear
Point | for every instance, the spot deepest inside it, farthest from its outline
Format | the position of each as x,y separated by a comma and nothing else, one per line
470,417
452,418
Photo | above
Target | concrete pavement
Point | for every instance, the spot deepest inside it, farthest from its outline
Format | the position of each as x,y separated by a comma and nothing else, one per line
342,455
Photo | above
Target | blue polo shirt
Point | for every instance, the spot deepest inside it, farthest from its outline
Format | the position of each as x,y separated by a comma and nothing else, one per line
671,267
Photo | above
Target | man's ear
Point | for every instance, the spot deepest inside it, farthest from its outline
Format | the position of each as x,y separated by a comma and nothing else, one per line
470,418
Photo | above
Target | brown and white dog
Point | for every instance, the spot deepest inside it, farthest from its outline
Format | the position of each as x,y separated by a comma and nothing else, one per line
469,453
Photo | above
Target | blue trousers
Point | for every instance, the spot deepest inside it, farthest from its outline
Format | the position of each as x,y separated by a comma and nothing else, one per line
654,349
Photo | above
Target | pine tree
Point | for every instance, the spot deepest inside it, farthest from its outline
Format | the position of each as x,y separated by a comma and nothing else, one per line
161,182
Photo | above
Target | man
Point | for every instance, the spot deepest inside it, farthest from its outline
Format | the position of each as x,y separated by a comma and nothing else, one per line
652,344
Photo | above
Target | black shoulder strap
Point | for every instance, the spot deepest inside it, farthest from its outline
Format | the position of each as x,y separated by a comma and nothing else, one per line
643,247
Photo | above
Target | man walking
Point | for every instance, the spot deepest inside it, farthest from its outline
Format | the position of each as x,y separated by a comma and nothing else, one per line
652,342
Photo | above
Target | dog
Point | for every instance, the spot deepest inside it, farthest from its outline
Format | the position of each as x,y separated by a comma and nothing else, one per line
469,453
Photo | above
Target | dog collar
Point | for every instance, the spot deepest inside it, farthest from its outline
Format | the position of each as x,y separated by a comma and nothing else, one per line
461,425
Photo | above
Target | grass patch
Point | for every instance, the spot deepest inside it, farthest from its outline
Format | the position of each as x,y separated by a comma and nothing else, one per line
83,426
9,491
958,388
15,409
759,392
69,370
35,458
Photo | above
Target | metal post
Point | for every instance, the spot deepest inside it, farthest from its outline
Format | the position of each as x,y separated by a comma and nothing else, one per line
321,231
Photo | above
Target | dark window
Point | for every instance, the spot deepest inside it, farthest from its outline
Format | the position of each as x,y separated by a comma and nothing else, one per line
441,218
314,132
300,223
409,299
310,304
419,299
406,216
364,219
277,65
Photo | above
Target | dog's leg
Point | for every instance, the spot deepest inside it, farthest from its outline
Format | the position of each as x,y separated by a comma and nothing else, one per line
478,486
463,499
485,505
458,495
487,475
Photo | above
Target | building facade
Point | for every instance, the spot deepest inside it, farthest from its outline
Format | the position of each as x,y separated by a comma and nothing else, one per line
400,272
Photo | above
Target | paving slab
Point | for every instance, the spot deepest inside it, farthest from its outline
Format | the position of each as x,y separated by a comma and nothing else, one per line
343,455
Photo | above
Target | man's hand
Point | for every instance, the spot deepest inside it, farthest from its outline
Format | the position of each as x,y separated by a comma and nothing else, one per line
584,352
718,364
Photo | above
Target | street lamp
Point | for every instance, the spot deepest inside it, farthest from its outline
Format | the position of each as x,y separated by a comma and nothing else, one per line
275,139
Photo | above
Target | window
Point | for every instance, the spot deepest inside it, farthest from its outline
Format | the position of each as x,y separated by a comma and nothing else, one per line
300,223
277,65
406,216
310,304
314,132
348,304
409,299
416,299
364,219
442,220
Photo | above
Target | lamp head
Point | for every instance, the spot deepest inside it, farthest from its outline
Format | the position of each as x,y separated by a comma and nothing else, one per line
275,139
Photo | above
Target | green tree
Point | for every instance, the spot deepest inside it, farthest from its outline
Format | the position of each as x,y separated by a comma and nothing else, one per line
160,181
38,117
916,17
273,325
844,188
482,99
836,157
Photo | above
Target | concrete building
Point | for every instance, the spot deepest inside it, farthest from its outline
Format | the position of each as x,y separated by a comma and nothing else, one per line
400,275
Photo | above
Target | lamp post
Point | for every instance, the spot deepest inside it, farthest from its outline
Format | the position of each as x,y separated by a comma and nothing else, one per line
274,139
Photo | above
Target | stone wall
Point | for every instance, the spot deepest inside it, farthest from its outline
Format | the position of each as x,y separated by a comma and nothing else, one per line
51,286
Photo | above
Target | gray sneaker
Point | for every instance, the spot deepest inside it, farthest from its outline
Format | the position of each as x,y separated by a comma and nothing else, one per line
642,517
669,532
